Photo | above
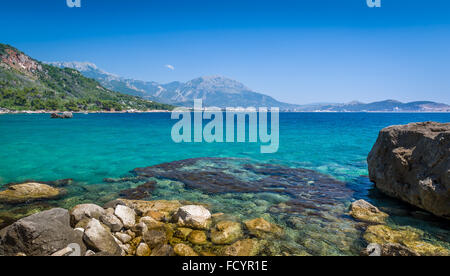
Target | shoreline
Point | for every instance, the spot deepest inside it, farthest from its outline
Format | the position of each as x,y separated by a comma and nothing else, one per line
11,112
83,112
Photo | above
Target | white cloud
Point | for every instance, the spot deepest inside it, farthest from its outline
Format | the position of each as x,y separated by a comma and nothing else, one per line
170,67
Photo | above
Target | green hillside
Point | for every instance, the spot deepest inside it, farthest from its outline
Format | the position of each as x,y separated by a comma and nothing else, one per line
27,84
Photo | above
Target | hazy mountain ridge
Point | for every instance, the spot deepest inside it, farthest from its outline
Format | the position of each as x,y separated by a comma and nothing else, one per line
223,92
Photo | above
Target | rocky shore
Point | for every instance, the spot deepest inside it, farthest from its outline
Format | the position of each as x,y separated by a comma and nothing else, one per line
7,111
384,240
135,228
300,212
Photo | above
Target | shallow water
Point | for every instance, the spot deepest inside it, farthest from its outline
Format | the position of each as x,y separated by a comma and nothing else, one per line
310,205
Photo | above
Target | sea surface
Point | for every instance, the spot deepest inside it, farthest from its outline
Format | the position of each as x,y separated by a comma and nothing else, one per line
306,187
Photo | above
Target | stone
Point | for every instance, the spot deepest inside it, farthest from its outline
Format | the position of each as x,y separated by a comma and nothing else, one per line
141,207
63,252
182,233
372,250
163,251
197,237
151,222
113,204
226,232
126,215
382,234
184,250
41,234
140,229
143,250
193,216
155,237
65,115
388,250
99,239
261,228
158,216
86,211
89,253
412,163
128,249
124,238
113,222
243,248
426,249
83,223
28,192
366,212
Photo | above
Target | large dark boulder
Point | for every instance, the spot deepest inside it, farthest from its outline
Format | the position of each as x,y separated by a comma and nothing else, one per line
412,163
41,234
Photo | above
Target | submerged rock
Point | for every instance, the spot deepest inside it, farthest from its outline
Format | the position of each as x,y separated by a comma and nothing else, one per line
140,192
27,192
163,251
41,234
412,163
411,239
155,237
183,233
193,216
388,250
243,248
261,228
226,232
184,250
143,207
143,250
382,234
364,211
197,237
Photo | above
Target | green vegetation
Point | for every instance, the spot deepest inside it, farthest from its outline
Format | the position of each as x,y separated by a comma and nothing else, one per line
38,86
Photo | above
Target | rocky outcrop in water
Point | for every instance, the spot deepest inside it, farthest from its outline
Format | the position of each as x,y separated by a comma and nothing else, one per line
65,115
366,212
404,239
27,192
412,163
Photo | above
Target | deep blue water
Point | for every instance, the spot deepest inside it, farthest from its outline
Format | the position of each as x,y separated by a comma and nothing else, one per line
92,147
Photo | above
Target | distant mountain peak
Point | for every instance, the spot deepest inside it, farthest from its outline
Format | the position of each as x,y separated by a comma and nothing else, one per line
80,66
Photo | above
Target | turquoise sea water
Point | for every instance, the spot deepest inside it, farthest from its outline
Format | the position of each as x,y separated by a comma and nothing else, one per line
92,147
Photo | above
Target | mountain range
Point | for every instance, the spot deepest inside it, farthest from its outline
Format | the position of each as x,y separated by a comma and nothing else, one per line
213,90
28,84
223,92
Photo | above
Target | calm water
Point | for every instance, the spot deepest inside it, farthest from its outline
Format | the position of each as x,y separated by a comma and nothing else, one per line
92,147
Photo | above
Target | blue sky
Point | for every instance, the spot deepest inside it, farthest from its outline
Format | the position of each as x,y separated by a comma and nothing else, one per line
301,51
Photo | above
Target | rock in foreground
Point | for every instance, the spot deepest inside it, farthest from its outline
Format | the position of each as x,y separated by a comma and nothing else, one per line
412,163
41,234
